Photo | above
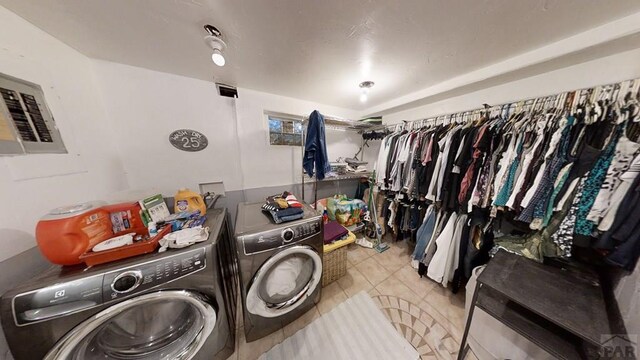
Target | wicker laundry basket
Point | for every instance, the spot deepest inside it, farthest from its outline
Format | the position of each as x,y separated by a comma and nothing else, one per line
334,260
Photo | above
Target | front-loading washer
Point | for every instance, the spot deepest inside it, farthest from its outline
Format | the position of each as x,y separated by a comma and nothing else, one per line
178,304
280,268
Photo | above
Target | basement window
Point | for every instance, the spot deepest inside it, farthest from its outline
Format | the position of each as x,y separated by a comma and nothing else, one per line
285,130
26,124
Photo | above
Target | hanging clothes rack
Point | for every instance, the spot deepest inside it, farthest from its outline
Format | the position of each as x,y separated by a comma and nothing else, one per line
523,164
608,91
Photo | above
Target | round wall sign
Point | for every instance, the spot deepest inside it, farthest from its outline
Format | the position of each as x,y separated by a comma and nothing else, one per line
188,140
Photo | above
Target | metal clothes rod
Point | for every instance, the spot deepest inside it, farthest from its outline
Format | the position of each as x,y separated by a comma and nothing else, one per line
596,93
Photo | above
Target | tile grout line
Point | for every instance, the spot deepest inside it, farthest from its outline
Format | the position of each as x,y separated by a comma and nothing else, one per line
391,273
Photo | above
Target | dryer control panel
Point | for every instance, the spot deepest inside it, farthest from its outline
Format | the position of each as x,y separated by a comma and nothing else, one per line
281,237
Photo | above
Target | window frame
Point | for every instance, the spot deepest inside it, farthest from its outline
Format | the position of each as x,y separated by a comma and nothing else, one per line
296,121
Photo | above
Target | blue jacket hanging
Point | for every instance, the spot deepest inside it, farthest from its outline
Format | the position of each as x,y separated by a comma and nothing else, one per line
315,147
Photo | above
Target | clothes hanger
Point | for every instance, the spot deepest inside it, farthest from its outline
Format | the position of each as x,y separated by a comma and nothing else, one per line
619,104
450,123
601,104
581,104
591,107
633,108
567,105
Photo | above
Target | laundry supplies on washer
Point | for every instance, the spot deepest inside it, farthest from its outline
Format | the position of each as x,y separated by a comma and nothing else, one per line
115,242
184,238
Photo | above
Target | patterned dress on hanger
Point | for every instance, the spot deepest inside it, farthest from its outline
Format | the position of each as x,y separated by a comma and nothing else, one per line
626,151
592,185
563,237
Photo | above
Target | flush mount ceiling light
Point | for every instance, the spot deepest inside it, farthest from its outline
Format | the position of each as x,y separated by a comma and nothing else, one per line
215,42
365,86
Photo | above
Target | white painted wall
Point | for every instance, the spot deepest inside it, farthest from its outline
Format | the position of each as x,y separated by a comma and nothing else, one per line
31,185
605,70
266,165
145,106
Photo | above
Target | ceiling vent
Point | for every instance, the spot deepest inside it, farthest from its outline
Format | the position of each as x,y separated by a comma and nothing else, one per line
227,90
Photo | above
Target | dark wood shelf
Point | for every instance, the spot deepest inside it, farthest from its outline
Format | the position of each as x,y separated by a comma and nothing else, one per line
570,300
553,339
561,309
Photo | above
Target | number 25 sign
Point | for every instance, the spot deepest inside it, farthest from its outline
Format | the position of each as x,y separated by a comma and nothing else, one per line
188,140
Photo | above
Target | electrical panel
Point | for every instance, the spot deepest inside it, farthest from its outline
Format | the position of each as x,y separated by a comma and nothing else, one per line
26,123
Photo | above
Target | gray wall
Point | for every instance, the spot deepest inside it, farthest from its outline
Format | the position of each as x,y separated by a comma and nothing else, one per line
627,292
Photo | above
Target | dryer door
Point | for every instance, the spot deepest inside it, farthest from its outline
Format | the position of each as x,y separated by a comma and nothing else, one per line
160,325
284,281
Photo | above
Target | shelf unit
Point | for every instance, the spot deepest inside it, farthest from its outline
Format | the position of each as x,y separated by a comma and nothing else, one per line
347,176
562,310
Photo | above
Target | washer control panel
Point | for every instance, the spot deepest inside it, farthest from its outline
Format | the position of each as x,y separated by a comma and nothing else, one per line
72,296
144,276
277,238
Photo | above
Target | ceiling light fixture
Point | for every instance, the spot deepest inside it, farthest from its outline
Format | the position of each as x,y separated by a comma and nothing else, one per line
365,86
215,42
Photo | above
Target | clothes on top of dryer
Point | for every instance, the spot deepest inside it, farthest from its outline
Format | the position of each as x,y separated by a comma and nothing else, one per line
285,215
275,203
283,207
292,200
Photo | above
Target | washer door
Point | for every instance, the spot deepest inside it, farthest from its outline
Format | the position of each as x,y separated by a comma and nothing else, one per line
284,281
160,325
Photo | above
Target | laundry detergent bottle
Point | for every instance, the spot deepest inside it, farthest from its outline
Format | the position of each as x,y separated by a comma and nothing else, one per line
187,200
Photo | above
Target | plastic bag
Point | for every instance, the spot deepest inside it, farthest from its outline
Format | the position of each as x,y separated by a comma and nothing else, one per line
349,211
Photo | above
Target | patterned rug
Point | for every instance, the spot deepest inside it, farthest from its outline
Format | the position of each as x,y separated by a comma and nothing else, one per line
355,329
428,337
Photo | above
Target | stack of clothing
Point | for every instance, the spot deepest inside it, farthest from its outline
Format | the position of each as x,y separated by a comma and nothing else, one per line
333,231
283,208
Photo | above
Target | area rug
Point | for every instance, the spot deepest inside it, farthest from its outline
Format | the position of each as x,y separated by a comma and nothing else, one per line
355,329
430,338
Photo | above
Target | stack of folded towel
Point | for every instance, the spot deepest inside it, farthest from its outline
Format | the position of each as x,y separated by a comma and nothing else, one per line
334,231
283,208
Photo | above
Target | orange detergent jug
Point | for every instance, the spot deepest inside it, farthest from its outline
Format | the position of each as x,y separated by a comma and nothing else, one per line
187,200
67,232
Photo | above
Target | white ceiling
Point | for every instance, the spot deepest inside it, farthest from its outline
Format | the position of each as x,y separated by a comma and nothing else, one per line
318,50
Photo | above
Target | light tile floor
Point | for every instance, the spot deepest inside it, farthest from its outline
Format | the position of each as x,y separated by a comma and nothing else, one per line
386,275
